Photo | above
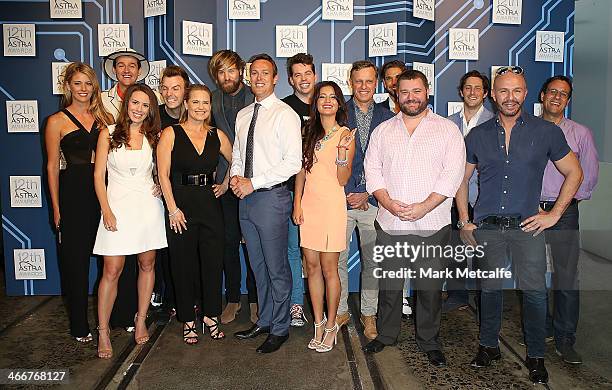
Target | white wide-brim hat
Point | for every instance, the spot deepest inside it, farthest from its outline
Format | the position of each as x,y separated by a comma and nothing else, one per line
144,63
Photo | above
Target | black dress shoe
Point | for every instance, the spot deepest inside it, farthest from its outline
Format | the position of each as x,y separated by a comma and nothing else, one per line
436,358
485,356
252,332
374,346
272,343
537,371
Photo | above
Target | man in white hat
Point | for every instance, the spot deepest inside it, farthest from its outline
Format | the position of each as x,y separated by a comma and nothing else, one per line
126,67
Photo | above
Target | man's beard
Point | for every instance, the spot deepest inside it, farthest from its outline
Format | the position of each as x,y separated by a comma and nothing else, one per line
404,107
506,111
230,87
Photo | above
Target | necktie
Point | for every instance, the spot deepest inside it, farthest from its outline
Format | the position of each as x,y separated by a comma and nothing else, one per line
248,163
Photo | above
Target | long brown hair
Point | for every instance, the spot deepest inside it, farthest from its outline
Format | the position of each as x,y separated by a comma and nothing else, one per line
96,108
150,126
192,88
313,130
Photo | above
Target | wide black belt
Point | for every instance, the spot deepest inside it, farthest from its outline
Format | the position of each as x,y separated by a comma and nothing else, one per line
503,221
279,185
549,204
201,179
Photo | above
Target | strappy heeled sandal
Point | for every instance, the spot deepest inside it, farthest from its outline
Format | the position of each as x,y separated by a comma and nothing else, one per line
314,343
213,329
86,339
187,329
143,339
104,353
325,347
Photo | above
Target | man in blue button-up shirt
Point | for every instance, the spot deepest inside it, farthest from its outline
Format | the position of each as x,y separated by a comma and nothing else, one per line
511,152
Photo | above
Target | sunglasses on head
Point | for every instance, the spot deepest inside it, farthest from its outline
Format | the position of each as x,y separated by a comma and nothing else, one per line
505,69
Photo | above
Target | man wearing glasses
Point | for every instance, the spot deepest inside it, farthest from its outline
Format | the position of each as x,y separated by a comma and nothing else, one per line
564,236
511,151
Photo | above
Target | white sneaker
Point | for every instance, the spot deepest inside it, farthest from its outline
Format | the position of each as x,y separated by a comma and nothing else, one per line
406,309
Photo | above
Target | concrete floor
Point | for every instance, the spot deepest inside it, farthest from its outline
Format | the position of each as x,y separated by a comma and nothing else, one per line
33,334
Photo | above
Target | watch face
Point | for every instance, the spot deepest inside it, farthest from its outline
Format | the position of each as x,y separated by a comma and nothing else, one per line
460,224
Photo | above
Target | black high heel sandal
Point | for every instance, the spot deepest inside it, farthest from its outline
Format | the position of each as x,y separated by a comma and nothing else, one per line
213,329
189,340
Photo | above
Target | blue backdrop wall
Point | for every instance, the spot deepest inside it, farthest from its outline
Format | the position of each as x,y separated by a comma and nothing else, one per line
29,243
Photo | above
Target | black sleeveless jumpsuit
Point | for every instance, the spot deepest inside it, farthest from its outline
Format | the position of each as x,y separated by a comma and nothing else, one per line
198,252
79,218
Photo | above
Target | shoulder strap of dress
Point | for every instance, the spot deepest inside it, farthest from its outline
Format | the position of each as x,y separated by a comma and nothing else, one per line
73,119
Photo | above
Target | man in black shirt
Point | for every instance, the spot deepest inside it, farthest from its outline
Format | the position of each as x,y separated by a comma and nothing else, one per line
302,77
174,82
232,95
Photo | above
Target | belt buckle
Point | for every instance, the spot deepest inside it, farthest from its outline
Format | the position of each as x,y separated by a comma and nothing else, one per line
202,179
506,222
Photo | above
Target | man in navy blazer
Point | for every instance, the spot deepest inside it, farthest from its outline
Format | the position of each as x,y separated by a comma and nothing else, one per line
364,115
473,89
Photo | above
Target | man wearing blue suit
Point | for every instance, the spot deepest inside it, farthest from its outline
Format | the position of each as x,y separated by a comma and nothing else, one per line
364,115
473,89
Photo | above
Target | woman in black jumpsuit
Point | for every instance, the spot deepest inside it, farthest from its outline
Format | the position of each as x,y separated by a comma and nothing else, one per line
73,133
187,155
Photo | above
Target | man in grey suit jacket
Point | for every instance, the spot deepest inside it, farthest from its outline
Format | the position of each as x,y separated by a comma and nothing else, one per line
232,95
473,89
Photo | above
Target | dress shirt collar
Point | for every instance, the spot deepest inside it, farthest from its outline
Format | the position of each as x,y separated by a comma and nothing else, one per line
522,119
475,117
267,102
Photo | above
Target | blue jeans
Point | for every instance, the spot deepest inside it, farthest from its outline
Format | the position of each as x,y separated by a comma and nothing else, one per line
295,262
528,268
564,240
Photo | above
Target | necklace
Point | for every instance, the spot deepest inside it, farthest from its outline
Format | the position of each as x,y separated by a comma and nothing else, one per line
319,144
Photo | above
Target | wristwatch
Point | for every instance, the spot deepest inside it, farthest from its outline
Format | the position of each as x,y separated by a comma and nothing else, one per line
461,224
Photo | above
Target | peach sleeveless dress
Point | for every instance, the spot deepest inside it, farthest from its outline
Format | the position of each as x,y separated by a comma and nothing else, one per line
324,202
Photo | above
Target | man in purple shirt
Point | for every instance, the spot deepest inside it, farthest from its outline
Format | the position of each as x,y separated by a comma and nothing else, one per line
564,236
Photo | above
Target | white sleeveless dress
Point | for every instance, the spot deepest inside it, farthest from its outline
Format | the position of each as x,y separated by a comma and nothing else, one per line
139,214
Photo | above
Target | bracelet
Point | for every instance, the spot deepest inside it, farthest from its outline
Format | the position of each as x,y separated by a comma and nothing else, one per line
172,214
341,163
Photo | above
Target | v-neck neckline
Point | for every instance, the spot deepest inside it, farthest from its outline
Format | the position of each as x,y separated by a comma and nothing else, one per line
78,123
195,148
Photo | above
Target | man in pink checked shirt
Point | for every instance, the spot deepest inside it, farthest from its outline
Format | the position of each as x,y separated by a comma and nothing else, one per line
564,236
413,166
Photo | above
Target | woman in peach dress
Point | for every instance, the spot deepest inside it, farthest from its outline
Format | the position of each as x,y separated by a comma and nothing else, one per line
319,206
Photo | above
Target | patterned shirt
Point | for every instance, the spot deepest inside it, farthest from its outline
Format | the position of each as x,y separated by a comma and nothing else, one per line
363,123
411,167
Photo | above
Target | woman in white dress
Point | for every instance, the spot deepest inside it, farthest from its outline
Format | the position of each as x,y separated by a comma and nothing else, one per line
132,216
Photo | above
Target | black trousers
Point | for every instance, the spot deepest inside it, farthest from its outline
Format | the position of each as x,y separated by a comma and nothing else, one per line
197,254
231,253
163,278
428,305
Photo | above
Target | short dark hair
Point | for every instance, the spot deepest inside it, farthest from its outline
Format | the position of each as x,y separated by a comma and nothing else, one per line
486,85
265,57
412,74
391,64
300,58
363,64
173,71
555,78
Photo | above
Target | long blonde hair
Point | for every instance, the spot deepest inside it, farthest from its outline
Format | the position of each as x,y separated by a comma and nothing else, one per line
96,108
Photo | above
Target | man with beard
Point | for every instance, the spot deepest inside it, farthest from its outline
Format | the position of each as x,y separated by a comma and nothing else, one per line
227,68
564,236
473,89
413,166
364,115
389,74
511,151
302,77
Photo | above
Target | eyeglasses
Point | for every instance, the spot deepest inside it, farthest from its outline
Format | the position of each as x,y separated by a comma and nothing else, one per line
505,69
555,92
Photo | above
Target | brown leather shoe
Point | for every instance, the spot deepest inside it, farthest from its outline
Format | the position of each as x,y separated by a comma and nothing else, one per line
369,326
254,317
230,312
343,318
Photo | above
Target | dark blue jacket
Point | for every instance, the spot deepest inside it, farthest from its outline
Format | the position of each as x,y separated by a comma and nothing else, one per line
381,114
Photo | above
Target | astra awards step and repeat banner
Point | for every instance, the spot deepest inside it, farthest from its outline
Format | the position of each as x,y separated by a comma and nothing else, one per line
442,38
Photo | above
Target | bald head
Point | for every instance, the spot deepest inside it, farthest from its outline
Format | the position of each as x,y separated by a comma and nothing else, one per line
509,92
